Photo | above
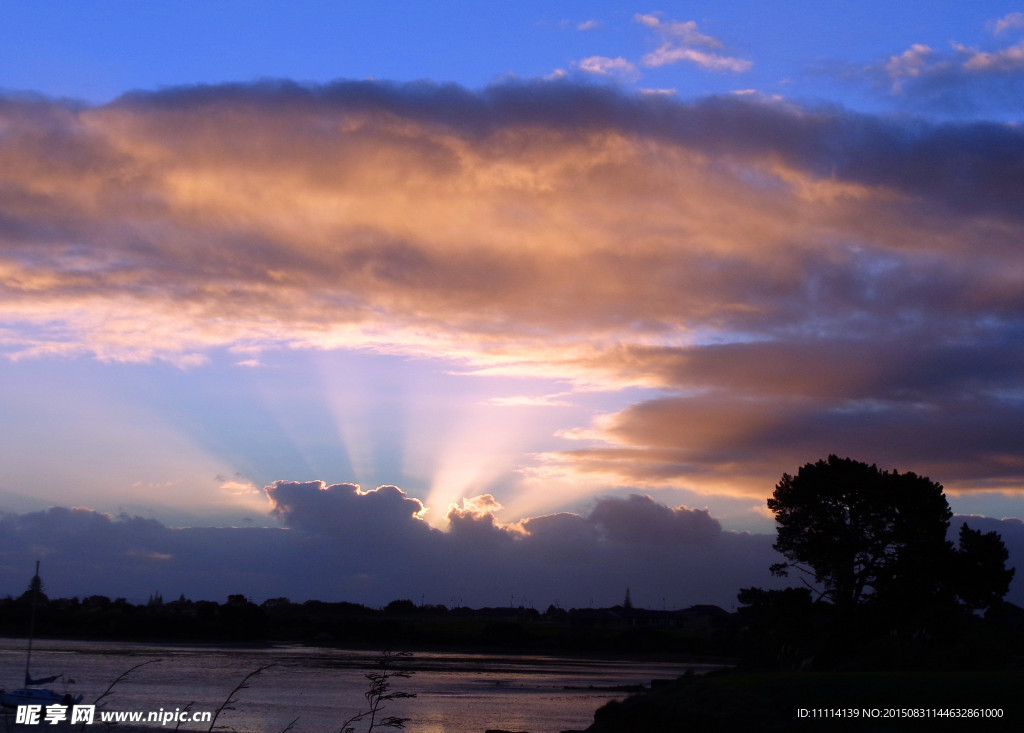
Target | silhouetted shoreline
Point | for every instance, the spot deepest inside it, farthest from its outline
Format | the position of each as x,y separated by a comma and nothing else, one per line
778,663
701,631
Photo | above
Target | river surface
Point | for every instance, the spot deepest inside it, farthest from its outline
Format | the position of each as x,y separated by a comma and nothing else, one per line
321,688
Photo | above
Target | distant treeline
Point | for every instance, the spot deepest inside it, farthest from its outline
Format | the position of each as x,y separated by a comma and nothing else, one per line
700,630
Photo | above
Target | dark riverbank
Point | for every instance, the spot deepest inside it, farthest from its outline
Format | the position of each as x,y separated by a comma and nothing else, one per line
814,667
865,701
702,631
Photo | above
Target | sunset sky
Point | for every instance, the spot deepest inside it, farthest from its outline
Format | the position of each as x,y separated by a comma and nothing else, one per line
580,279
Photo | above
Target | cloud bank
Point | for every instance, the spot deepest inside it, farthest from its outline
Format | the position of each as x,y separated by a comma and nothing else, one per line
792,281
342,543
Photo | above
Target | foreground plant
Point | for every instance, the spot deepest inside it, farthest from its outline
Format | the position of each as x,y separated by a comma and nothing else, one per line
380,693
99,702
377,695
231,699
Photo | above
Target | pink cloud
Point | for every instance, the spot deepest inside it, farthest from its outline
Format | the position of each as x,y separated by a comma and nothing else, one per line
1005,59
1009,21
681,41
607,66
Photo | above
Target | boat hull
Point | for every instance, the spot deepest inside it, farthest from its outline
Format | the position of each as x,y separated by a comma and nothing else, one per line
14,698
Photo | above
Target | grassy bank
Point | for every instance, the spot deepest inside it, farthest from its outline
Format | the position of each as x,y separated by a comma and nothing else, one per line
832,701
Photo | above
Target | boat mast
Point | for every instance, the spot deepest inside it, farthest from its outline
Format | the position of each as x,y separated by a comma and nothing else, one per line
36,582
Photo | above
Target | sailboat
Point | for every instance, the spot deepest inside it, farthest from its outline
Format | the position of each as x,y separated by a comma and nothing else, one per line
29,694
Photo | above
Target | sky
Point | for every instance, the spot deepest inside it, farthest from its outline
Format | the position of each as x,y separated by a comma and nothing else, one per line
573,284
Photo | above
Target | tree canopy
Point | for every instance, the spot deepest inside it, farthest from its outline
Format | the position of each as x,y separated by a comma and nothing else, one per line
866,535
982,578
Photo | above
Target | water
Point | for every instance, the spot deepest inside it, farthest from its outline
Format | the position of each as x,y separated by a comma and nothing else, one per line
456,693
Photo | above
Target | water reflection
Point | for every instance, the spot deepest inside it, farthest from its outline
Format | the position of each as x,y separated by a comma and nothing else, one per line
456,693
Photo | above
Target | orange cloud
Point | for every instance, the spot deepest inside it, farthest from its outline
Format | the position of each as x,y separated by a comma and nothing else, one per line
776,271
161,226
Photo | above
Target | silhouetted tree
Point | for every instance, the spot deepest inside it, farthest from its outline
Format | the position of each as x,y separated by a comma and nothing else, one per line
862,533
402,605
982,578
891,589
35,592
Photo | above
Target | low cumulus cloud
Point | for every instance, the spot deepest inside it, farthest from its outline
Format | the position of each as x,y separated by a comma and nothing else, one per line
345,508
794,281
340,543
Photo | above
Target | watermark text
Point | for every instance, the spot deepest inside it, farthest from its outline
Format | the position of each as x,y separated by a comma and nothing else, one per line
87,715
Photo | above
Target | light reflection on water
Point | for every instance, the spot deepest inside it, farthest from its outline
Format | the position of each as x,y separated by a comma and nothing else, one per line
456,693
